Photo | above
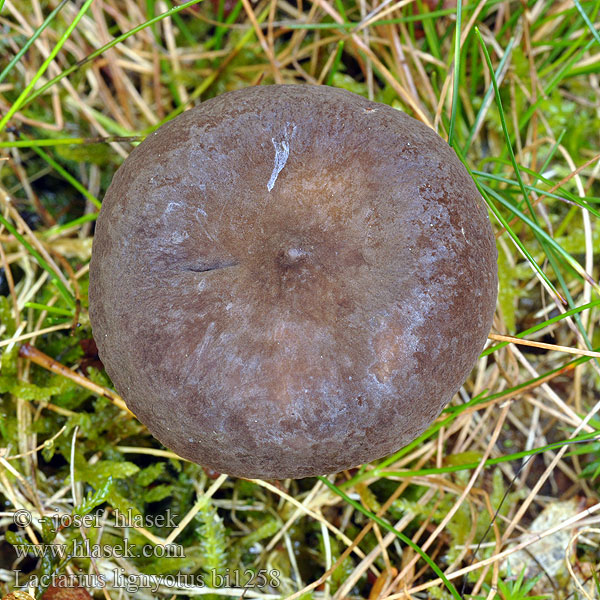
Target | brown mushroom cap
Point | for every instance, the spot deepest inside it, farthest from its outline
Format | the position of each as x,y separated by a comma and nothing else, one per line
291,280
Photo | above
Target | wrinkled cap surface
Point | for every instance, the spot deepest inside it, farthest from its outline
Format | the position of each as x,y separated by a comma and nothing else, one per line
291,280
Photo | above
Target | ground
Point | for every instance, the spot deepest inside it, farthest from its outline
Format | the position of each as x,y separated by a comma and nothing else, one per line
498,499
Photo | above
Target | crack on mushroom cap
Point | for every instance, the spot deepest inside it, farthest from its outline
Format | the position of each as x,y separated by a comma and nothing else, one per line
213,266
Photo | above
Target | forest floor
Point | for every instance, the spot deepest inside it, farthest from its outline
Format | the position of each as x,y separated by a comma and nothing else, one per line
498,499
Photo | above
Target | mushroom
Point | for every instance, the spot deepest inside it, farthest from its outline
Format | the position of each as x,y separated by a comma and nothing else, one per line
291,280
61,591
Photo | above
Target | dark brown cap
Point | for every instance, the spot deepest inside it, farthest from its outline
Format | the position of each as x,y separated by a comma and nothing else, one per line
291,280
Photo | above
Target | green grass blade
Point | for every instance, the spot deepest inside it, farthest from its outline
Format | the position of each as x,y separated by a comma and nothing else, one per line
336,62
565,197
31,40
208,81
544,236
571,304
107,46
69,141
488,94
490,462
18,103
554,82
342,10
456,81
183,28
587,20
58,229
66,294
431,35
550,156
385,525
41,142
508,229
50,309
511,152
216,41
517,241
150,5
535,328
67,176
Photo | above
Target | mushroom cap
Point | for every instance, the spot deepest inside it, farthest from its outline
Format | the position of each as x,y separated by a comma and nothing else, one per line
291,280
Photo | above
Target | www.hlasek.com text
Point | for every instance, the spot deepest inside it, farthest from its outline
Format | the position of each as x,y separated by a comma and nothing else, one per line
87,549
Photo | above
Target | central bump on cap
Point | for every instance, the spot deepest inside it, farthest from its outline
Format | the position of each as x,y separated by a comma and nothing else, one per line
291,256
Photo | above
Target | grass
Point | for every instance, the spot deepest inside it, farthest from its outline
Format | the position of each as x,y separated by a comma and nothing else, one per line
471,509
